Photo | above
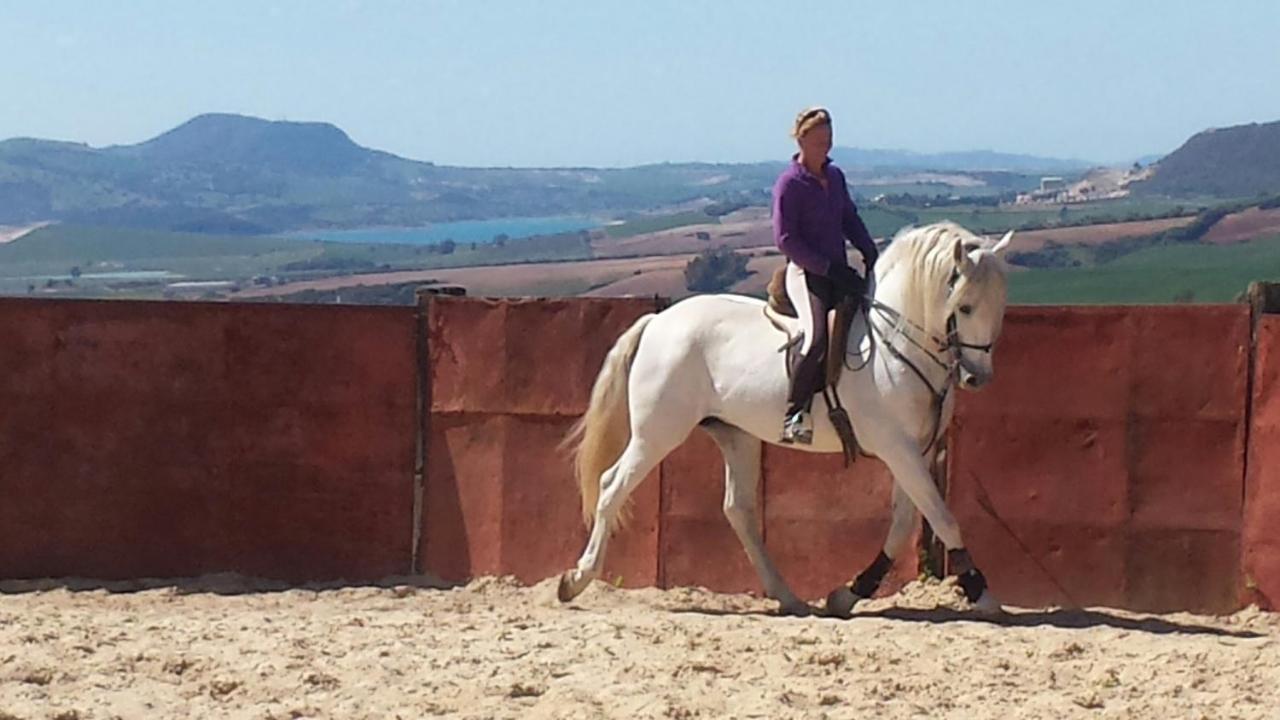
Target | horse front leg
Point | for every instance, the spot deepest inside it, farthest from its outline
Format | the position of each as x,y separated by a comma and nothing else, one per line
840,602
911,474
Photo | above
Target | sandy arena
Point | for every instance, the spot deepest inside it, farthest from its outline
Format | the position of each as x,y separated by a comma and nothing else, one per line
494,649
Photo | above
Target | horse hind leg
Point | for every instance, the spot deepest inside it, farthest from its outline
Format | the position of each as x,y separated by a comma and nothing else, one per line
742,481
616,485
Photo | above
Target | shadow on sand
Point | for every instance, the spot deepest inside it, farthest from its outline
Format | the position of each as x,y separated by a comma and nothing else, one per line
1072,619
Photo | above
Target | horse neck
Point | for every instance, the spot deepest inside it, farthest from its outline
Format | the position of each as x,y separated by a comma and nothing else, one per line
923,306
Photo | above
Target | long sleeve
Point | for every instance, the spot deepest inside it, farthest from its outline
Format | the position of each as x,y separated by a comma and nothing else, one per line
787,235
856,230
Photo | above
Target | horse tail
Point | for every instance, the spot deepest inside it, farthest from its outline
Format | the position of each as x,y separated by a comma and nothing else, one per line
598,438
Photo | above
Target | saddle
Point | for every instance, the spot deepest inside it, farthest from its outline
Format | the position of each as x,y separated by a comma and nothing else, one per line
839,324
838,328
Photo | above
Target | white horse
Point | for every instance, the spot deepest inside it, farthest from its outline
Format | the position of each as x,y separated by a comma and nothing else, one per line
939,299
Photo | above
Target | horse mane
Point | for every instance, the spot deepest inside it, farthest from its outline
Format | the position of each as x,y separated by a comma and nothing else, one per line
926,257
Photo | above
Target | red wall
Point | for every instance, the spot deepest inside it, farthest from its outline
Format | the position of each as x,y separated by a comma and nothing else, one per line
1262,499
171,439
508,379
1111,446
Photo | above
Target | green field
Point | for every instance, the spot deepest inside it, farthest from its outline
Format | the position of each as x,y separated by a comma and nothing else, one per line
884,219
568,246
925,189
984,219
86,245
1171,273
640,224
60,250
97,253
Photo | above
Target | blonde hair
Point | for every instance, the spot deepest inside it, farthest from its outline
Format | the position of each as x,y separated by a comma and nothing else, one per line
808,119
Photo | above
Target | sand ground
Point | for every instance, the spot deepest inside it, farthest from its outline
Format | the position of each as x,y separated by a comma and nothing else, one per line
223,646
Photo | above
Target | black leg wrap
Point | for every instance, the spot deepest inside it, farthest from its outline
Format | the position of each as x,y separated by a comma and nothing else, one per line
971,579
974,584
869,580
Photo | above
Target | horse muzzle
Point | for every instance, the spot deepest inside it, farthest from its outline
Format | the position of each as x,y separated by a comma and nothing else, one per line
970,380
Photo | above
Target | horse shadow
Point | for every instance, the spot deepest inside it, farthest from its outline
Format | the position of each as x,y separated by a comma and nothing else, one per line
1067,619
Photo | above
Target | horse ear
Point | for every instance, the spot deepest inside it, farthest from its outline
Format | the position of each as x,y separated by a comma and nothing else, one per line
1003,245
963,261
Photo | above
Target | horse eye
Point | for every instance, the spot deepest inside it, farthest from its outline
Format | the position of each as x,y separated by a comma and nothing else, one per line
966,309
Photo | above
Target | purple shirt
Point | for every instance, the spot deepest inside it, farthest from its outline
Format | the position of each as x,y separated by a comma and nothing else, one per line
810,224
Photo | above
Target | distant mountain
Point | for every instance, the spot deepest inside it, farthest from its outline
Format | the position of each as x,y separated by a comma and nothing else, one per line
975,160
305,148
229,173
1239,161
221,173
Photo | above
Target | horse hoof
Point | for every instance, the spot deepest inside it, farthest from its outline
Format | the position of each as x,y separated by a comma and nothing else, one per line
569,589
987,604
840,603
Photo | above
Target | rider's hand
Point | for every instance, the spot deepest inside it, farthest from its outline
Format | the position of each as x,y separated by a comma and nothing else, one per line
869,261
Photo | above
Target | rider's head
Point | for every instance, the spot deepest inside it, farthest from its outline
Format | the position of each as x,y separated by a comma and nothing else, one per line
812,131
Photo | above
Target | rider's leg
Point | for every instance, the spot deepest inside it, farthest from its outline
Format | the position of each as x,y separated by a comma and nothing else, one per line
811,296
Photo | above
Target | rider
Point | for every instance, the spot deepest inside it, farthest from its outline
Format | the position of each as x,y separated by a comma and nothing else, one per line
812,215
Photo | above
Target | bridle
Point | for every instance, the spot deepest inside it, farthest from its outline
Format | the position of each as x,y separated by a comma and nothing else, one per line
952,348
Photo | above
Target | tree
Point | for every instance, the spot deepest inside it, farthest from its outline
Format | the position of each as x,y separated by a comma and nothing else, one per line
715,270
447,246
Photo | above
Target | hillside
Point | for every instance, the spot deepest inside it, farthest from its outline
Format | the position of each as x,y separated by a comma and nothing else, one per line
1241,161
234,175
231,174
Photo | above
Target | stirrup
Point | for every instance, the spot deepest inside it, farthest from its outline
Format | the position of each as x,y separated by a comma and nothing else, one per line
798,429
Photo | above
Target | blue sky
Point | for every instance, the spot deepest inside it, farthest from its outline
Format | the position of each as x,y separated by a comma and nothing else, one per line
604,83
